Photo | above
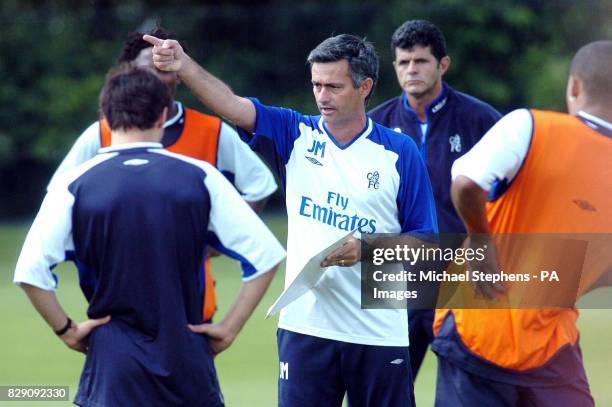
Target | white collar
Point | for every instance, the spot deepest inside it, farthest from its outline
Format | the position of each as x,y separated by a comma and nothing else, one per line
595,119
177,116
127,146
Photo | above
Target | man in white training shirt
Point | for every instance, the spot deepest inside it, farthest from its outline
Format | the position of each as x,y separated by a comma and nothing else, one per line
341,172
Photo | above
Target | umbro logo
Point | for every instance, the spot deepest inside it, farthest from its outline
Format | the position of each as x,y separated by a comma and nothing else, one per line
397,361
136,162
313,160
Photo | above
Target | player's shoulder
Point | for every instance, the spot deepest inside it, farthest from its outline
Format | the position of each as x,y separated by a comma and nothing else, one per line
392,140
201,120
385,108
185,161
66,179
91,135
201,115
312,123
93,128
549,114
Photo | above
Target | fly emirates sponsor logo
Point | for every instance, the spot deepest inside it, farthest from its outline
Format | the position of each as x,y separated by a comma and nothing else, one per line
334,213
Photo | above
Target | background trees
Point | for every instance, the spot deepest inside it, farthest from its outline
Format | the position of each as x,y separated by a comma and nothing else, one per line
54,54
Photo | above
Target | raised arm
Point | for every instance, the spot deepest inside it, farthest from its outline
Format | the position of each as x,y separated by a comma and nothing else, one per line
168,55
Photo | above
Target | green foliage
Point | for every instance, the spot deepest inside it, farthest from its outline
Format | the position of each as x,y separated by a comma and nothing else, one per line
55,54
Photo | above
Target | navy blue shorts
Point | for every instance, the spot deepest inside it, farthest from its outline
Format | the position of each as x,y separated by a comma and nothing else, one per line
319,372
456,387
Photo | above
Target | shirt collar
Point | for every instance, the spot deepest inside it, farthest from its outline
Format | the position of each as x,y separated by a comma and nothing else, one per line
435,106
364,132
129,146
177,116
594,119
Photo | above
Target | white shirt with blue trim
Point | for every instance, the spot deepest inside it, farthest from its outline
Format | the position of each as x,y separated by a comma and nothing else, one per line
251,177
377,183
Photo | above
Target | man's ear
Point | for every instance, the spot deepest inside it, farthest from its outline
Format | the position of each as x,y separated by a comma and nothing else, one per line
444,64
574,87
573,94
366,87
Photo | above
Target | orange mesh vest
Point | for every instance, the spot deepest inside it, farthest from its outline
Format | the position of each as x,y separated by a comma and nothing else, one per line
199,139
564,186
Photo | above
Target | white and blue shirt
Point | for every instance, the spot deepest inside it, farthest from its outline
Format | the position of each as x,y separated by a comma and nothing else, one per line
237,163
377,183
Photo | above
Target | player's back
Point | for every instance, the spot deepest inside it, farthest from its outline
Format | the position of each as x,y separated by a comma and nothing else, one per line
563,187
139,225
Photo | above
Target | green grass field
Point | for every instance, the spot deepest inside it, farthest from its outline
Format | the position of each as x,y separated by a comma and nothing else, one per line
30,354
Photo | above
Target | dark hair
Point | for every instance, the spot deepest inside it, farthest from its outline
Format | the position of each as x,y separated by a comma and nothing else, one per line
134,43
591,65
133,98
360,54
422,33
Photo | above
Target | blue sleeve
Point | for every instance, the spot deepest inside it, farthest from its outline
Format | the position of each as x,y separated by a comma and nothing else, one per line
415,201
277,124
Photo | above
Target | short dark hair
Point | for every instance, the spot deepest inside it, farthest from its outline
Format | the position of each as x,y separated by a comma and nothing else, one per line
360,54
133,98
134,43
421,33
591,65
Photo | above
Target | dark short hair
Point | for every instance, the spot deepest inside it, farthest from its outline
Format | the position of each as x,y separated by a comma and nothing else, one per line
421,33
360,54
133,98
591,65
134,43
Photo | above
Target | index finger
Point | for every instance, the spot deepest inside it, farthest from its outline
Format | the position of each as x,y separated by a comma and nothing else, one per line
153,40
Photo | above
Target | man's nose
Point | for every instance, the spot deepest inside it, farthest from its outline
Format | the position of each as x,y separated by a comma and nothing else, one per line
323,94
412,67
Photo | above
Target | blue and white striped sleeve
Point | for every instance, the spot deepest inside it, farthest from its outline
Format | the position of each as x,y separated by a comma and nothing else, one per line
237,231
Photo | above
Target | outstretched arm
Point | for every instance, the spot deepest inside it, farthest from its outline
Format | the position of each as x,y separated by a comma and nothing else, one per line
168,55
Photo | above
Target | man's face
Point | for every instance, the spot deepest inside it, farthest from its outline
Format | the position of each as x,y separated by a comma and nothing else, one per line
418,71
145,60
337,99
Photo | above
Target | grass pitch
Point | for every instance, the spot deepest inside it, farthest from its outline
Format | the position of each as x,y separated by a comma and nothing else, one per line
30,354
